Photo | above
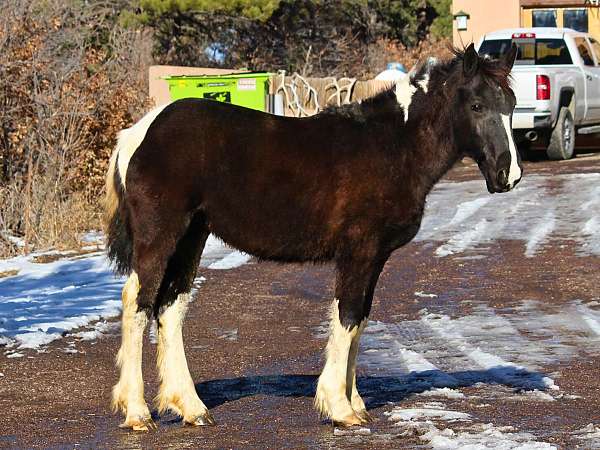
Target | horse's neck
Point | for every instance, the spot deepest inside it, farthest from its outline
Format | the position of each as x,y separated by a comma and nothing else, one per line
433,150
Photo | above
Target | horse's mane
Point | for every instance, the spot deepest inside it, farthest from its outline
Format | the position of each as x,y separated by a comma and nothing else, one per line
492,71
380,103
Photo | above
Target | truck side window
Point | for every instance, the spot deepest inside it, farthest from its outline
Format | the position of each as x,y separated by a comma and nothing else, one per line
585,51
596,47
531,51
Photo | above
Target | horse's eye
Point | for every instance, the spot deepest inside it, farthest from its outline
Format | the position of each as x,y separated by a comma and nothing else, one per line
476,107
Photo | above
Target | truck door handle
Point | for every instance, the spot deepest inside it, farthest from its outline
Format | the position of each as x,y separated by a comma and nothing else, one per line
589,77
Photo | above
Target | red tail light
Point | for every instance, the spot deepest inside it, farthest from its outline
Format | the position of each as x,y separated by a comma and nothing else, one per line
523,35
543,87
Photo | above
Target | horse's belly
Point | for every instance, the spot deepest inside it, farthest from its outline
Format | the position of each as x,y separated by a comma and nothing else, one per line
270,235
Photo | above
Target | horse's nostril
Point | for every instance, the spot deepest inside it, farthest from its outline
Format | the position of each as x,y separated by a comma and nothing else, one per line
503,177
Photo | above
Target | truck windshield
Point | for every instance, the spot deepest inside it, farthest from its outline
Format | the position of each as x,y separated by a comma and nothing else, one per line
542,52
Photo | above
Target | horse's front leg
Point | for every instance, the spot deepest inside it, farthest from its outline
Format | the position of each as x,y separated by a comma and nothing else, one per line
337,396
358,405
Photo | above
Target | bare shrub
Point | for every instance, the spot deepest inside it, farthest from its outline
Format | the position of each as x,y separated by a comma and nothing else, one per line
385,50
70,78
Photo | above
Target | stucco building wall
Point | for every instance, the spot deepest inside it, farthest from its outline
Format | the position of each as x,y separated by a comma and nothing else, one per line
490,15
485,16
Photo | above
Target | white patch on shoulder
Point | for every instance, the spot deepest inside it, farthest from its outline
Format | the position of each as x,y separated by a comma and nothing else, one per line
514,172
130,139
404,94
424,83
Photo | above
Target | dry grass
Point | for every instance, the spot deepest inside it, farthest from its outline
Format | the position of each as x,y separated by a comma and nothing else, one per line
70,79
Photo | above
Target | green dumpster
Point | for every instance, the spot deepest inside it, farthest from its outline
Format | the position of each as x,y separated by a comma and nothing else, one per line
243,89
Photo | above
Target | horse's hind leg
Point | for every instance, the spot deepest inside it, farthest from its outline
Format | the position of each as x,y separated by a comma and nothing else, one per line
154,235
128,393
177,391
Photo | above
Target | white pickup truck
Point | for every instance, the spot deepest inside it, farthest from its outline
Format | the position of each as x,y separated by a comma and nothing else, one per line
556,79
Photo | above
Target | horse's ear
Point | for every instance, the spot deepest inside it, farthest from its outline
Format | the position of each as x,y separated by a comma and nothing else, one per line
470,61
509,58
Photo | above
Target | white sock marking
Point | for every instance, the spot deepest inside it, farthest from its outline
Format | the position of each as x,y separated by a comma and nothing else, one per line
130,139
514,172
177,391
331,398
128,394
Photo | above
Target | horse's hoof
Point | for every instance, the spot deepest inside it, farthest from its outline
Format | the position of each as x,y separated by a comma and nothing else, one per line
365,416
349,421
139,423
205,419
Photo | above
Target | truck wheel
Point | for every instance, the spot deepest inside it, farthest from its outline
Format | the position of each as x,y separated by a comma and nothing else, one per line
562,141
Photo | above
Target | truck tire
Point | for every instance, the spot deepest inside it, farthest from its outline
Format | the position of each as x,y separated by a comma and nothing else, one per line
562,141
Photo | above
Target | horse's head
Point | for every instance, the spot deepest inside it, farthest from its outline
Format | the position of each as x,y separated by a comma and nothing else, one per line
482,116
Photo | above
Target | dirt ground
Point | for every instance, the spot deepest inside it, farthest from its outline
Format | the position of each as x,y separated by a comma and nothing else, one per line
254,339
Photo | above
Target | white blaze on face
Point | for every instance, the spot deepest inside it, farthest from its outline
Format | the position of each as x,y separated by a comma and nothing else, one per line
514,172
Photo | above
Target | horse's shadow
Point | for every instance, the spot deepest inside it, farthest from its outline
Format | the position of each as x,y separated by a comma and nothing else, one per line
376,391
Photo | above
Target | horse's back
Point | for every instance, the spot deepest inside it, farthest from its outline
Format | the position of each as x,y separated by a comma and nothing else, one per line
266,184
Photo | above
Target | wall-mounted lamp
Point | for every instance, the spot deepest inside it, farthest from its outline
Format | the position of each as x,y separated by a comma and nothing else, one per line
461,18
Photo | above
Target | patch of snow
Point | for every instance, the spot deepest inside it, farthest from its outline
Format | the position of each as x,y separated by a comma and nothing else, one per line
14,355
464,240
505,372
591,434
153,333
483,437
589,317
16,241
35,339
425,295
455,430
92,237
47,300
498,350
442,392
231,261
465,210
228,335
412,414
539,233
360,431
478,218
536,395
100,329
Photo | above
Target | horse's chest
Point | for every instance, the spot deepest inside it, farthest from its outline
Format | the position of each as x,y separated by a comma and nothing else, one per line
398,235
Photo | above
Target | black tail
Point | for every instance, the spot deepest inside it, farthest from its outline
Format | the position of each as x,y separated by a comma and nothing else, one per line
119,238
